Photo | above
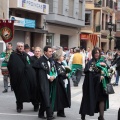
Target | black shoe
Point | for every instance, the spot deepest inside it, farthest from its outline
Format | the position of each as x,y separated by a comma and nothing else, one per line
36,108
115,84
50,118
100,118
19,110
61,115
75,85
4,91
82,117
41,116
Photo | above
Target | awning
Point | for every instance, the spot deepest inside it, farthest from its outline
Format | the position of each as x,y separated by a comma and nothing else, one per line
84,36
31,29
93,38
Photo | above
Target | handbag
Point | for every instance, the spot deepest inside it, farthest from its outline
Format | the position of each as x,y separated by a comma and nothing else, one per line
109,89
4,71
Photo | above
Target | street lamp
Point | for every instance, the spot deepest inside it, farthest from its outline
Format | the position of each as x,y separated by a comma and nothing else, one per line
110,27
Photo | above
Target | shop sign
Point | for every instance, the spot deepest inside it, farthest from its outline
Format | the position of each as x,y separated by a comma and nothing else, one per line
84,36
33,6
22,22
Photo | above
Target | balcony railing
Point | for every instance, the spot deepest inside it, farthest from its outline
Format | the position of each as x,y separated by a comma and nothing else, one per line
98,4
97,28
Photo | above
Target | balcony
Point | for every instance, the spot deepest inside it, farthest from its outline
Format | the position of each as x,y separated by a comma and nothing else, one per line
98,4
87,29
97,28
30,5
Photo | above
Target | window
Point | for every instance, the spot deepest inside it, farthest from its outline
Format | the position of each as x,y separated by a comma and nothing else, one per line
71,8
50,2
60,7
80,9
118,26
88,18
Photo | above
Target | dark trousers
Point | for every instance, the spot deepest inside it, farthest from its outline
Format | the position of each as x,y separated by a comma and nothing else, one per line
20,104
77,76
43,108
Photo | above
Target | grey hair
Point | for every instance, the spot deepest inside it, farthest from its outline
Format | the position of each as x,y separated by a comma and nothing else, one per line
20,43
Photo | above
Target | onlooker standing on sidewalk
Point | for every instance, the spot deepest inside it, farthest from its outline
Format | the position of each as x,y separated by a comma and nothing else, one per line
4,56
88,55
75,63
117,62
27,50
23,79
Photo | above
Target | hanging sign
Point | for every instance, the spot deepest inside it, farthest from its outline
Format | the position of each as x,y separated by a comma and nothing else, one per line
7,30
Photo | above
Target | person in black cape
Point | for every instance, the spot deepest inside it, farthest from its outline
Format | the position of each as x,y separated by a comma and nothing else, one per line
94,98
63,92
37,55
45,65
23,79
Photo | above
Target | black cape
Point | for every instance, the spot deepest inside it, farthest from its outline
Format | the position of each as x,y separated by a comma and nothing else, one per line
44,82
63,95
23,79
92,92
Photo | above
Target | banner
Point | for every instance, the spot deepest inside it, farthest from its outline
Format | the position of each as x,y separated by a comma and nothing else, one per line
7,30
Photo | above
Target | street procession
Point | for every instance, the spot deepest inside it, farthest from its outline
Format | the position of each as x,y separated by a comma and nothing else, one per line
59,59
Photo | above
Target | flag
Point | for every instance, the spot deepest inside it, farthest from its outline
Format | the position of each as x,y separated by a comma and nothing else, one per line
7,30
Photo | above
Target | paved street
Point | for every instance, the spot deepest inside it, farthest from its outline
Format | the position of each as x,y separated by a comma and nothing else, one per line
8,107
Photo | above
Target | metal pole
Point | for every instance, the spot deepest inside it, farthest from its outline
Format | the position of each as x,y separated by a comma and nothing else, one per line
110,32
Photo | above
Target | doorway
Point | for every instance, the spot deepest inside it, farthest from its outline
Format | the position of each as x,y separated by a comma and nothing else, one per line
64,40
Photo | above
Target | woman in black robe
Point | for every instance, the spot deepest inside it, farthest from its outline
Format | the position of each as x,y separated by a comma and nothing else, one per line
37,55
63,93
94,98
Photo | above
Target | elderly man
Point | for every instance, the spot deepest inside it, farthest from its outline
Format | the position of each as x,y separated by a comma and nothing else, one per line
23,79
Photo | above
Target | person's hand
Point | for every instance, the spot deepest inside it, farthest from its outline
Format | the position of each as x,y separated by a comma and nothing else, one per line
102,77
52,78
103,64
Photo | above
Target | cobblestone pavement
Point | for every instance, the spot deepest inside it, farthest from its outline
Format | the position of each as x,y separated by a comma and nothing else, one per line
8,107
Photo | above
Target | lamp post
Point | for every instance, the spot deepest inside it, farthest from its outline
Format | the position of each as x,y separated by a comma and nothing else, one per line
110,27
99,40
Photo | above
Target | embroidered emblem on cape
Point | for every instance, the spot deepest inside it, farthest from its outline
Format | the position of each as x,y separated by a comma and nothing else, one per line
6,33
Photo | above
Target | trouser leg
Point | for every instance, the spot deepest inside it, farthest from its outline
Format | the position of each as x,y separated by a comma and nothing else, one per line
49,112
19,105
117,78
5,78
78,76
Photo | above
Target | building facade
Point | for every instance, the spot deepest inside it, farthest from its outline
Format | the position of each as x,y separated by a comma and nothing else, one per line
97,16
46,22
64,21
28,16
117,35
